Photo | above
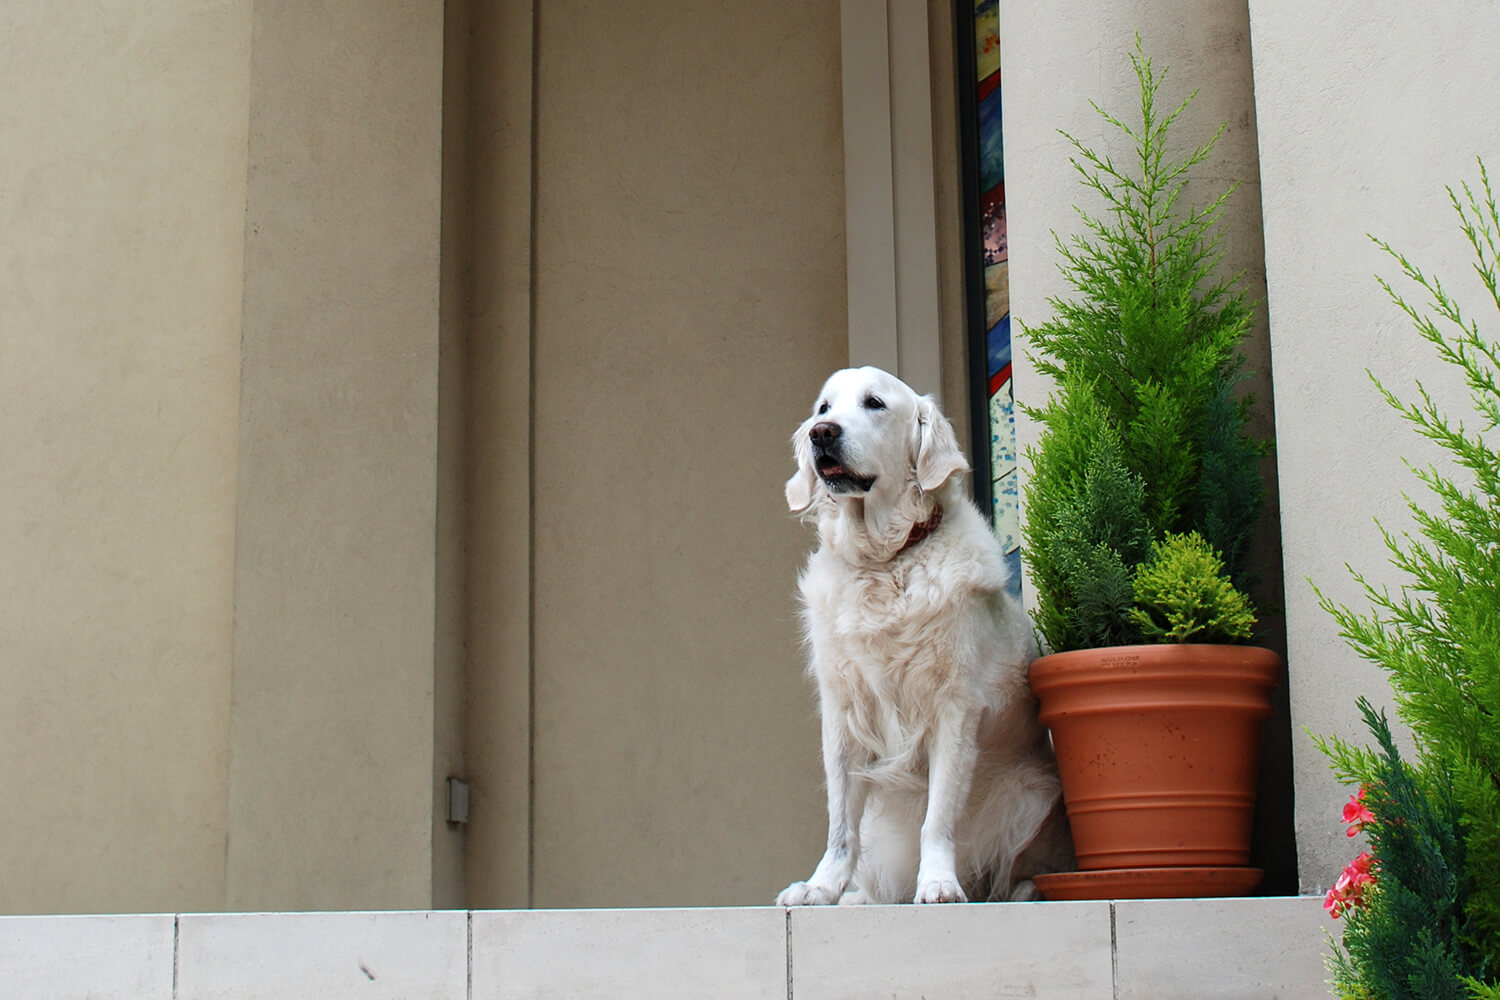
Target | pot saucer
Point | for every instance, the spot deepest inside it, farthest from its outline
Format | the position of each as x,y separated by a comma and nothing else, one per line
1149,883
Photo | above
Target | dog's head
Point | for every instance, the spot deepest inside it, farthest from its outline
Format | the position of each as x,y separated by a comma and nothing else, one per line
869,432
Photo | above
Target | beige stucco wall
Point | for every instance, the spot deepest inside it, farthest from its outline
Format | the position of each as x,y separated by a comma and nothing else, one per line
227,684
238,419
335,680
122,191
689,300
1363,120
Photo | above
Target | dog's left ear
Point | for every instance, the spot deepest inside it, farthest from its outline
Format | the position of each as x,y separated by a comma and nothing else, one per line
938,454
799,489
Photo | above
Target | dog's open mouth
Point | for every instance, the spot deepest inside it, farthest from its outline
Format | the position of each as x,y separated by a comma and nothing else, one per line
840,479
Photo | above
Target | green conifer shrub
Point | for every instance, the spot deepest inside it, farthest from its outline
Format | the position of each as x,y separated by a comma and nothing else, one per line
1404,939
1438,639
1094,509
1181,593
1145,434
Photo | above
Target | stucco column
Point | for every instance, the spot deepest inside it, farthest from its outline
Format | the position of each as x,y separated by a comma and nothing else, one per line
334,736
1364,118
889,207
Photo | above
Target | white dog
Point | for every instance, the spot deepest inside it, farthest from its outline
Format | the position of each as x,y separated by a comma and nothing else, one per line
941,782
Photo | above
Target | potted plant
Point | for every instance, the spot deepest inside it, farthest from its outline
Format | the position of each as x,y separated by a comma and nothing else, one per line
1144,491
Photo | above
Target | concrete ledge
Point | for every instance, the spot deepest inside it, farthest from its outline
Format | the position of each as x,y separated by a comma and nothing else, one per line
378,956
733,954
1209,949
103,957
1181,949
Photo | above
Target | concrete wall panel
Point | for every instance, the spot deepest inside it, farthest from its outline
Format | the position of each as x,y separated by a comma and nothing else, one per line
122,192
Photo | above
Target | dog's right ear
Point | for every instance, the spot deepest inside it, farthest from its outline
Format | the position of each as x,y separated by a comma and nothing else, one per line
938,454
799,489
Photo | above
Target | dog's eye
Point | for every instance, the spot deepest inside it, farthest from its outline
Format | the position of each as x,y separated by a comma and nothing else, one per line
822,408
874,403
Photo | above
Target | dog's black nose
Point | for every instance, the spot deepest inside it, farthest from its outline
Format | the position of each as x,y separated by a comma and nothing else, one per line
825,432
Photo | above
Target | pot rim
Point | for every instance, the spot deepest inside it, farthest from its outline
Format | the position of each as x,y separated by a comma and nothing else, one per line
1161,651
1145,661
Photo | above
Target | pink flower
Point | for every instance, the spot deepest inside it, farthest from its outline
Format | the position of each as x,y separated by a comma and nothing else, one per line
1349,890
1356,814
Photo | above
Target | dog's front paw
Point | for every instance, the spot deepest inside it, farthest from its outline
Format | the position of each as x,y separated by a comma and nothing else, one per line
806,894
940,890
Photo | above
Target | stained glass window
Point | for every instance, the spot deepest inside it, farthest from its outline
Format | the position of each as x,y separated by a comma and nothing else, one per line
994,410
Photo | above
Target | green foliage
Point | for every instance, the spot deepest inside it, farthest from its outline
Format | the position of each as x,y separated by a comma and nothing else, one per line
1438,636
1152,340
1183,593
1230,489
1093,508
1406,940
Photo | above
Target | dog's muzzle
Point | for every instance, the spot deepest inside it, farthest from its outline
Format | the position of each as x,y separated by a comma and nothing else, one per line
827,440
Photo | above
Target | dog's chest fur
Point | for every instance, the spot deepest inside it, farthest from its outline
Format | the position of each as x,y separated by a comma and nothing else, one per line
880,663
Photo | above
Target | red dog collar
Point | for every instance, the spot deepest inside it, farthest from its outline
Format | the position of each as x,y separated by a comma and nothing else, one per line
921,531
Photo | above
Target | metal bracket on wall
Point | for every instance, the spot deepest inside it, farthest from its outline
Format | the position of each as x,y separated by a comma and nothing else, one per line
458,800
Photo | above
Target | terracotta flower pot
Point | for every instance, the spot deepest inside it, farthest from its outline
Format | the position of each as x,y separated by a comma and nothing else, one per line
1158,748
